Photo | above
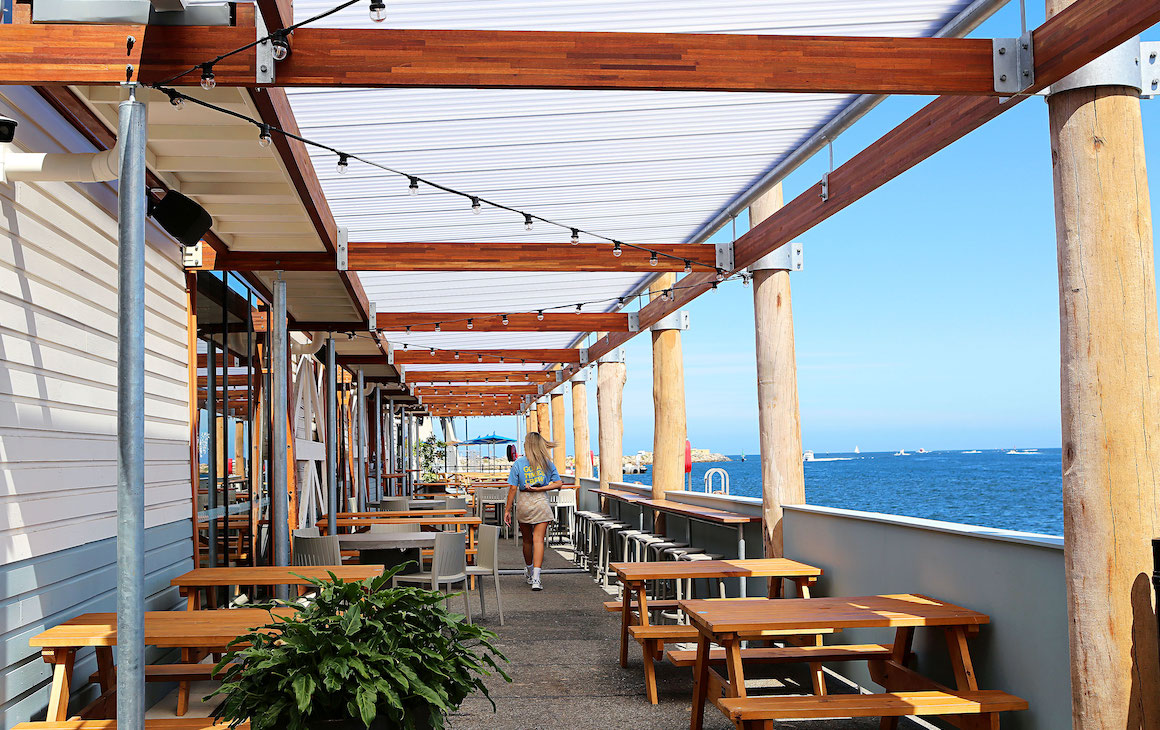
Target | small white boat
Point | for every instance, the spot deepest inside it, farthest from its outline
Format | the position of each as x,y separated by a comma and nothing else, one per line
922,451
807,456
902,452
973,451
857,450
1024,451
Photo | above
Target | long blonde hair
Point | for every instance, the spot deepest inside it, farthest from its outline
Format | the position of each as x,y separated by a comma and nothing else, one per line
538,450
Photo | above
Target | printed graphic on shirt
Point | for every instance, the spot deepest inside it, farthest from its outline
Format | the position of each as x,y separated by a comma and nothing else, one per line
534,477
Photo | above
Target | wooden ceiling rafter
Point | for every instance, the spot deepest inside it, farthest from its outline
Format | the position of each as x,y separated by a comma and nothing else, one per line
423,356
479,376
494,322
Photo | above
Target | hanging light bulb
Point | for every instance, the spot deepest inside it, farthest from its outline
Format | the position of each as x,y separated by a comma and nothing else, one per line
616,248
207,79
438,327
620,301
504,319
432,352
744,280
688,266
652,259
475,207
264,139
540,315
470,323
408,329
281,49
456,354
413,188
575,236
378,11
527,221
175,99
720,275
501,359
343,160
479,358
579,307
405,346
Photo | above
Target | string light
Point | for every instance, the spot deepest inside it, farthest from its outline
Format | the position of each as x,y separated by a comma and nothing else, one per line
281,49
405,347
438,327
408,329
343,163
207,79
479,358
378,11
652,260
688,266
720,275
264,139
456,354
540,315
616,249
579,307
475,207
413,187
527,221
504,319
432,352
470,323
575,236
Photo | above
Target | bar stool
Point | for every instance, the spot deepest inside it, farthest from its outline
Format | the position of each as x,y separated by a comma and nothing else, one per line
585,535
657,551
605,531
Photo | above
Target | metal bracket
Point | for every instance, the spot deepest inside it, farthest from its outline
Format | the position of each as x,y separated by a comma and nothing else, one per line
559,376
725,256
580,376
678,320
192,257
340,249
583,355
1132,64
264,63
372,320
825,186
1013,60
789,257
616,355
634,321
391,355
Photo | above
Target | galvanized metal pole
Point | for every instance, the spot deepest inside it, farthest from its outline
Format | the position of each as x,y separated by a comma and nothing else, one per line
378,443
279,369
393,451
212,457
331,436
131,201
360,401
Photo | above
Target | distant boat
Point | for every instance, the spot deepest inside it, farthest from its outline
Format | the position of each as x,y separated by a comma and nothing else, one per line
973,451
1024,451
743,454
857,450
922,451
902,452
807,456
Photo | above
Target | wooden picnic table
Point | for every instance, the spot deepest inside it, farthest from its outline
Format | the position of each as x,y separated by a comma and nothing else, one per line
191,583
633,577
185,630
400,513
728,622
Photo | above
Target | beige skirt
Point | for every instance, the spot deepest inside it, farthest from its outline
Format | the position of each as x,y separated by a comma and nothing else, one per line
532,508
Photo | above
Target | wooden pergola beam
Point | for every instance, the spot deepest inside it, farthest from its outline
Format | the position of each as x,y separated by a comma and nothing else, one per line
390,57
493,322
448,256
420,356
1065,43
488,391
479,376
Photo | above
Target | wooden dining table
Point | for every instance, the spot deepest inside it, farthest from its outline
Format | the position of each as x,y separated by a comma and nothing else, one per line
728,622
399,513
186,630
191,584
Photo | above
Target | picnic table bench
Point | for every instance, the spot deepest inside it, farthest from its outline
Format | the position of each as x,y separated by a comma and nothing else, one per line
652,638
190,584
727,622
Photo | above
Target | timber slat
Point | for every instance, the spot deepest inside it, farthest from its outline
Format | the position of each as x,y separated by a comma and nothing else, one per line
787,654
891,704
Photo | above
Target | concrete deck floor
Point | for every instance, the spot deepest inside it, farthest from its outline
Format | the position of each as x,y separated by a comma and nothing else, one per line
565,670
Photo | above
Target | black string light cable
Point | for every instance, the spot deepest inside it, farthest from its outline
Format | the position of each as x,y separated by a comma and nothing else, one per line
177,98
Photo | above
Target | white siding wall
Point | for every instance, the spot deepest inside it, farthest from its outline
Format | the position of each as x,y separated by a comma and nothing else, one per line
58,324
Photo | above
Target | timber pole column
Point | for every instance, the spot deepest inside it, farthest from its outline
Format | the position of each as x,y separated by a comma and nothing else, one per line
669,432
1110,392
581,442
559,451
279,439
610,378
543,420
779,420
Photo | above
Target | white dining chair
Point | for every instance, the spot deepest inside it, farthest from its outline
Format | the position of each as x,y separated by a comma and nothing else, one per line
317,550
448,567
487,563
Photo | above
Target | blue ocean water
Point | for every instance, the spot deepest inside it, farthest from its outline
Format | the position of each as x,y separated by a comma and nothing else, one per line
992,488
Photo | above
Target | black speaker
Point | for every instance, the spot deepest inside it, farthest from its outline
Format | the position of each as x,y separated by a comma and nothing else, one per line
181,218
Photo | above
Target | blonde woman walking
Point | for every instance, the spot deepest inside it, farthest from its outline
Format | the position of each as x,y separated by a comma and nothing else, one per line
533,475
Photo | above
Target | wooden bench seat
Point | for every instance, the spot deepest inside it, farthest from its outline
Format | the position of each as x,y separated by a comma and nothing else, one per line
788,654
173,673
175,723
668,633
617,606
758,712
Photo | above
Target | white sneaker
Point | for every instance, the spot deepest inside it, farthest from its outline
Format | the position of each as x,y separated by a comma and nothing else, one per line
536,584
528,575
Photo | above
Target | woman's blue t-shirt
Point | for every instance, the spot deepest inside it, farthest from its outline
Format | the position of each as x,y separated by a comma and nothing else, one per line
523,475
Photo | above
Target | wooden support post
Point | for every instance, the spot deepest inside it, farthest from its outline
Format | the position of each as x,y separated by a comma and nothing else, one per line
669,434
580,440
782,475
610,378
543,420
531,422
559,451
1110,388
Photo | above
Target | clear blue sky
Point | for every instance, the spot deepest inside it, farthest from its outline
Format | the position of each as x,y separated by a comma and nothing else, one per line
927,314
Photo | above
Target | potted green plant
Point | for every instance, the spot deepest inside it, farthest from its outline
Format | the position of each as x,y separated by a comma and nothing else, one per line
360,654
430,451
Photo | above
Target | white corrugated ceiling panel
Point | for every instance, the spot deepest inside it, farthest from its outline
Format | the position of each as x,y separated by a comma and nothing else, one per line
638,166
